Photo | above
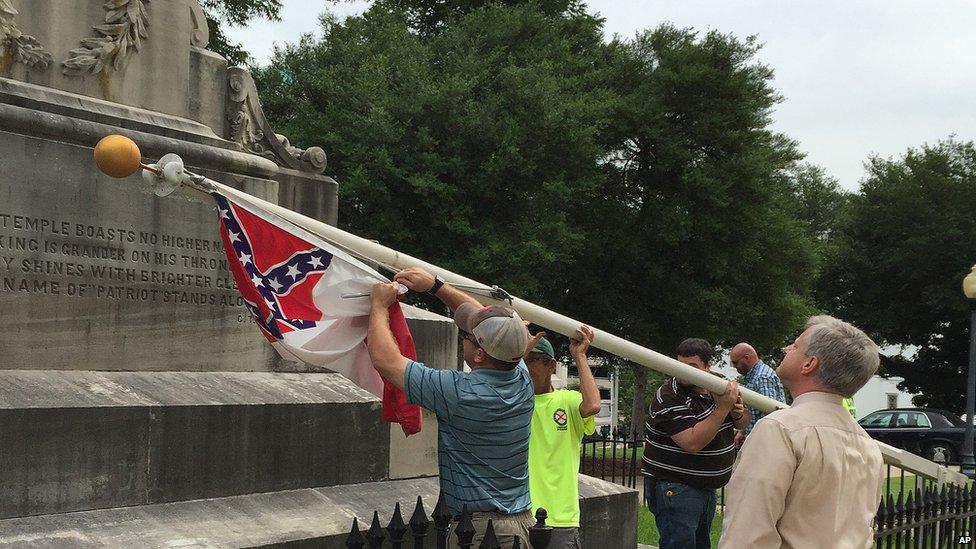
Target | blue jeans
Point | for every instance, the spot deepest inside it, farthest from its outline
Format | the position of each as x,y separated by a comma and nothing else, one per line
683,513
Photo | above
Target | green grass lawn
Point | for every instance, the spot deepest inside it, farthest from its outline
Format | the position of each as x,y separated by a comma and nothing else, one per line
893,485
588,451
647,530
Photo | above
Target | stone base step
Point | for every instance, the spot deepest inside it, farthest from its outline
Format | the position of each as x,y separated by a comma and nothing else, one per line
314,517
81,440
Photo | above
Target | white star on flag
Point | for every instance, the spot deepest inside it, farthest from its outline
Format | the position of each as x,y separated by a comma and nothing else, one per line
275,285
235,237
223,214
257,280
293,271
245,259
315,262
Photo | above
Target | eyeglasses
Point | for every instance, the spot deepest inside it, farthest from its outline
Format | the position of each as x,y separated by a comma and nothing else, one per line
470,337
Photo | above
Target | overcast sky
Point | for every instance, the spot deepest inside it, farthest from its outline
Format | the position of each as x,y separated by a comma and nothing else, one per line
858,77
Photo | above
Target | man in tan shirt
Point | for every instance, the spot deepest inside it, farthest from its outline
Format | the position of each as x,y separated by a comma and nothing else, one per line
809,476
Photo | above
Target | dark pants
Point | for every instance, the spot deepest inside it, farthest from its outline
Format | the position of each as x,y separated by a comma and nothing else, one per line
683,513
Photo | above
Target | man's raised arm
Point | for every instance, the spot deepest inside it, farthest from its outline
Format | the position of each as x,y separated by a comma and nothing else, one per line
695,438
591,393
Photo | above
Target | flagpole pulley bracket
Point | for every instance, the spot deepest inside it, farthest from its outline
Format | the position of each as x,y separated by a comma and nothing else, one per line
501,295
166,175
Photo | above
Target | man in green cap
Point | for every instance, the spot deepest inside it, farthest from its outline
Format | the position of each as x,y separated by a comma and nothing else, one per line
559,421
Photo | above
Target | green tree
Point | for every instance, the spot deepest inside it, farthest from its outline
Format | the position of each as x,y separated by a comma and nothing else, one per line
475,148
430,17
820,202
903,252
634,185
235,12
704,234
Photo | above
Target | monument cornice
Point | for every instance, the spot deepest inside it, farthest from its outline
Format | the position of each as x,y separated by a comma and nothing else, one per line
76,131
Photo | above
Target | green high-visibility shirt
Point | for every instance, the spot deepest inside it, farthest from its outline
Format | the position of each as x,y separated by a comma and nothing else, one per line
554,455
849,406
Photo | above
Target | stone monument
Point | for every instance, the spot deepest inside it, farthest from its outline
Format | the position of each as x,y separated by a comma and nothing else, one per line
139,406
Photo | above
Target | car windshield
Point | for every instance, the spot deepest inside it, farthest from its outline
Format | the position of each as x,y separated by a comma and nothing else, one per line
876,420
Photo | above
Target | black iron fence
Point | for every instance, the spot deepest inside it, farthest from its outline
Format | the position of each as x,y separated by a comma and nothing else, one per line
613,458
914,512
918,513
397,534
930,518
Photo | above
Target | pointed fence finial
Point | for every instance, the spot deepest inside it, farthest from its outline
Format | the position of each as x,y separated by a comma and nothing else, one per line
442,520
465,529
396,529
375,535
355,538
490,541
419,522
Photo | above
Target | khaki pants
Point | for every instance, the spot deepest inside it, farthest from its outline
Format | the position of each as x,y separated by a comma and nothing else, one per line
507,527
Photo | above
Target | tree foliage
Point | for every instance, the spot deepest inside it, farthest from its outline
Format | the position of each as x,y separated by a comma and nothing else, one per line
429,17
474,149
703,232
902,254
634,184
235,12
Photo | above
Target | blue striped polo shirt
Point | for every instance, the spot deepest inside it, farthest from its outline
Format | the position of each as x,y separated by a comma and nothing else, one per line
483,418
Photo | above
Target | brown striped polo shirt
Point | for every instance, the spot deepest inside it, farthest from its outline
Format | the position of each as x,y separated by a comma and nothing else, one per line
677,407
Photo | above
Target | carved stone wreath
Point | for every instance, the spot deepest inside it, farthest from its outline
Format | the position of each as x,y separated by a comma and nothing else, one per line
21,47
126,26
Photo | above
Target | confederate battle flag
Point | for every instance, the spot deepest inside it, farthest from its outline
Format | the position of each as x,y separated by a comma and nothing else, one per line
292,282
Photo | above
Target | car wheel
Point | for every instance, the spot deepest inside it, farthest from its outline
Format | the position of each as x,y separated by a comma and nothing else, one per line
941,452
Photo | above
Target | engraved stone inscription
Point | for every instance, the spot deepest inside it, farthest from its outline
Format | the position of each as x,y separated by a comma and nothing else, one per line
71,259
99,273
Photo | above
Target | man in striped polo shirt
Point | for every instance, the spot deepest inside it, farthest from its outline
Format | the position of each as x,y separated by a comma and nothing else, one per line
688,452
483,416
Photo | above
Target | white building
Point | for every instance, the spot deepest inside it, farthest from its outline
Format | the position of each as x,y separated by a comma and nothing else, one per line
878,393
881,393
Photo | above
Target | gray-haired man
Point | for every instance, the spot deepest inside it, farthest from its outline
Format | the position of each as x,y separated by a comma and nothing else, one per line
810,475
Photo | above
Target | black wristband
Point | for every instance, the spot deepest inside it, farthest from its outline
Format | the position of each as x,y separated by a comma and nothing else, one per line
438,282
736,418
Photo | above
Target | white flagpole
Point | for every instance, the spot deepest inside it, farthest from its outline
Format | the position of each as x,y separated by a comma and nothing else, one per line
167,178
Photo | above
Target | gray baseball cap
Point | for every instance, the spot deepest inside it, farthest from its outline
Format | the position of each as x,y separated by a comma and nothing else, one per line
498,330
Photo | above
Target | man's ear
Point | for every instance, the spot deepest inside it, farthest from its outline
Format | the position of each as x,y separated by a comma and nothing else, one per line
552,366
810,366
480,356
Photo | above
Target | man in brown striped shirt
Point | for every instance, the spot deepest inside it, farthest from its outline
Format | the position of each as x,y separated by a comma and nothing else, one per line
689,451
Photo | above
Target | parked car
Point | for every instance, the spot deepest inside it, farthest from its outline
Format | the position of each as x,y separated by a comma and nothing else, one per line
935,434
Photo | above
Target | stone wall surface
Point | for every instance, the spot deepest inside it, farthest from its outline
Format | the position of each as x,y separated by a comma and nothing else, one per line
78,441
98,273
131,52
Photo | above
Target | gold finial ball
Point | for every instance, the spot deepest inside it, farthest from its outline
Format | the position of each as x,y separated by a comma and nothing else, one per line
117,156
